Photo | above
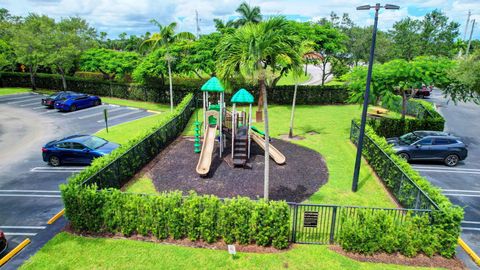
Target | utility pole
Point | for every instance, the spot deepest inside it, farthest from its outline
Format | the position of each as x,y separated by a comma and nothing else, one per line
470,39
198,26
466,26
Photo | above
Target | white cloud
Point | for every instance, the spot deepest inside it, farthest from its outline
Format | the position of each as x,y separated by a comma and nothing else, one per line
132,16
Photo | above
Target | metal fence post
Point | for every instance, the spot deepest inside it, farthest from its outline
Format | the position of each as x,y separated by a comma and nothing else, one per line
417,199
332,227
294,225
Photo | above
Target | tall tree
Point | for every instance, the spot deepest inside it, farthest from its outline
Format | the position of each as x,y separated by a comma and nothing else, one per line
165,37
248,14
465,80
32,43
110,63
249,49
71,36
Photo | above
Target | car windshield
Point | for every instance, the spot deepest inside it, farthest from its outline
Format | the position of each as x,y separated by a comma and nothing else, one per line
94,142
409,138
54,96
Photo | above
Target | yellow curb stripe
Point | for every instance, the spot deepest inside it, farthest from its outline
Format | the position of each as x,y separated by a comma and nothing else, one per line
469,251
14,251
156,112
57,216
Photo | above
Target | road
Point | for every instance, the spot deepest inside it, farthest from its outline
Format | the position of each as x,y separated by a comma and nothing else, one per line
29,188
316,74
461,184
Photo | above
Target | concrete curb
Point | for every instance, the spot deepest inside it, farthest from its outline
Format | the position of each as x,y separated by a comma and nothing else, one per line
14,251
469,251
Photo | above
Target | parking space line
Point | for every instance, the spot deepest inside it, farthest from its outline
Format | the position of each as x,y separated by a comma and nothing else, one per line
29,191
461,195
55,169
23,101
82,110
17,98
22,233
39,107
29,104
24,227
30,195
460,190
449,171
119,116
470,229
99,113
445,169
471,222
49,111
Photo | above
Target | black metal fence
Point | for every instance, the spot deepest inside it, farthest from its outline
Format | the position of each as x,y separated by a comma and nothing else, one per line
405,190
122,169
322,224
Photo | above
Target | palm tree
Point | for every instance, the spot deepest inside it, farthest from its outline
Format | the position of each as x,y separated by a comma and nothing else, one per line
248,14
248,50
163,39
222,26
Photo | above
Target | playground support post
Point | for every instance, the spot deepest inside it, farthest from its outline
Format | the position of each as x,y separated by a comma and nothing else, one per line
233,127
249,127
290,132
221,126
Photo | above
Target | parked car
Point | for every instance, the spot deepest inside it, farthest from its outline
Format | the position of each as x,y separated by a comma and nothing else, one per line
77,149
423,92
412,137
448,149
76,102
59,96
3,242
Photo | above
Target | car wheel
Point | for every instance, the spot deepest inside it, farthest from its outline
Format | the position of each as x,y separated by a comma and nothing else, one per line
54,161
451,160
404,156
73,108
97,103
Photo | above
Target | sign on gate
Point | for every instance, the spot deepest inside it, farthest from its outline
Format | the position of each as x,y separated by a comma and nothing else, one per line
310,219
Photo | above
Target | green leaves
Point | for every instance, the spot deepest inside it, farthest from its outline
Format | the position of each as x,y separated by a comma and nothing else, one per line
109,62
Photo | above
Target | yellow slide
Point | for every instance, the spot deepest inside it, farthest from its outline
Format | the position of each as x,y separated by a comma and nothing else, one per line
203,166
276,155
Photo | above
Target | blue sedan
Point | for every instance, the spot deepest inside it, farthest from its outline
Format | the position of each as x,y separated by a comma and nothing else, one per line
77,149
76,102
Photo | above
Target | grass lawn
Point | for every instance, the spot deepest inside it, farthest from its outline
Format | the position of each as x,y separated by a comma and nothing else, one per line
66,251
13,90
137,104
141,185
335,81
290,80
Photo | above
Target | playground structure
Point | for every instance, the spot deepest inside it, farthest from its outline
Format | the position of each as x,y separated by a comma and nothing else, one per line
234,126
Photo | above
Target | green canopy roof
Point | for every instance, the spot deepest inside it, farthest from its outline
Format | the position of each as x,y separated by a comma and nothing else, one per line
213,85
242,96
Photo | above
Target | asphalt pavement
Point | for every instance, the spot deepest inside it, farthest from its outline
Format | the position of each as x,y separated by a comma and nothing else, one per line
461,184
29,187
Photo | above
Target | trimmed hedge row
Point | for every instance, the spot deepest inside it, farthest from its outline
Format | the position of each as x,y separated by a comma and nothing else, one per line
426,118
378,231
171,215
160,93
93,202
445,221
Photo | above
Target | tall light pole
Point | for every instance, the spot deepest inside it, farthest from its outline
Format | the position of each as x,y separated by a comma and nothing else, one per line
358,159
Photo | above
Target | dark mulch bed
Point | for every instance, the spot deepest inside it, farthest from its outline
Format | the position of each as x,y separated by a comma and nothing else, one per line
303,174
419,260
219,245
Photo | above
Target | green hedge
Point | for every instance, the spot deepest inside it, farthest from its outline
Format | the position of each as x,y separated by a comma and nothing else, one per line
445,221
426,118
159,93
378,231
173,215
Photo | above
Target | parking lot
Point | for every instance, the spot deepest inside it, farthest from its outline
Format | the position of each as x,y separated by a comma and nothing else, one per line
29,187
460,183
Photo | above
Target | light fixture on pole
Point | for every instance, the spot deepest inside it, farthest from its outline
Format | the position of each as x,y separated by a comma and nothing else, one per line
358,159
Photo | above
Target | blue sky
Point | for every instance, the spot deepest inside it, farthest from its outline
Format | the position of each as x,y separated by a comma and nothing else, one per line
132,16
